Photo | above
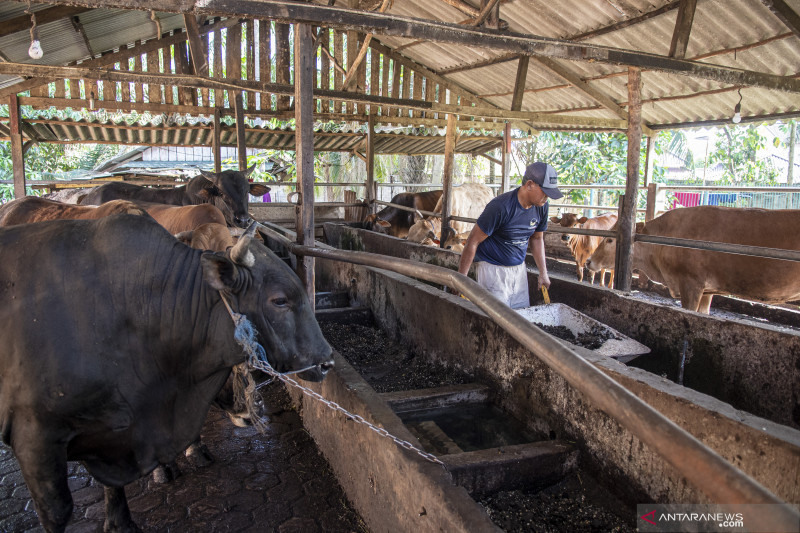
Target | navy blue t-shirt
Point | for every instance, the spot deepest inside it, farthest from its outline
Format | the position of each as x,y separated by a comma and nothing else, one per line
509,226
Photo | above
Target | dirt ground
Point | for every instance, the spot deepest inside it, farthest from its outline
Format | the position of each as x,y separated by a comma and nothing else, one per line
277,481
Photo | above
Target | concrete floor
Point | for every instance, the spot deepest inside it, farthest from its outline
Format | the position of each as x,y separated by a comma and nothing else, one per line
277,481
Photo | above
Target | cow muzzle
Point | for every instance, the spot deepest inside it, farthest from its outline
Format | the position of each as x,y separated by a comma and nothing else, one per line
318,372
241,221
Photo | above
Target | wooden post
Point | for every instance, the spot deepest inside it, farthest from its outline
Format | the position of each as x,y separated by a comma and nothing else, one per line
198,53
627,222
370,184
653,193
649,159
505,164
17,158
215,142
304,135
447,179
241,141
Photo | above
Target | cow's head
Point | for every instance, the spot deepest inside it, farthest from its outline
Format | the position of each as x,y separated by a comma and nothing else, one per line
269,293
568,220
422,230
232,187
605,254
378,225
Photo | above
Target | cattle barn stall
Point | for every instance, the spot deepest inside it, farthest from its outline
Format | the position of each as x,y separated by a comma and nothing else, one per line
485,66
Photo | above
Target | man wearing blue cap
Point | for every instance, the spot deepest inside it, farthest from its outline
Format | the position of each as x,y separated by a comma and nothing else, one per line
499,241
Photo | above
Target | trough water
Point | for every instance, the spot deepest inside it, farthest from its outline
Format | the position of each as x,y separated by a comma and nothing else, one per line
469,427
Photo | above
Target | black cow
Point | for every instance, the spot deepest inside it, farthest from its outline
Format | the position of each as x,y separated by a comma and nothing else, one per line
115,341
227,190
396,222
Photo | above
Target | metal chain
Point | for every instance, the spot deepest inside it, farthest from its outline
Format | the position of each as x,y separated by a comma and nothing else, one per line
244,334
336,407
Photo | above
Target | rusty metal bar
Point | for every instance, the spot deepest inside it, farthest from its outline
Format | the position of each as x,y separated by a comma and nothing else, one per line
701,466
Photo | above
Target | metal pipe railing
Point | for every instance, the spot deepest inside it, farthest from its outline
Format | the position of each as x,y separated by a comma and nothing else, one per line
701,466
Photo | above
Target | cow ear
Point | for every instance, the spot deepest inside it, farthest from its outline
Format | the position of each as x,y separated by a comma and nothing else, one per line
209,192
639,227
555,220
384,224
208,175
582,220
258,189
218,271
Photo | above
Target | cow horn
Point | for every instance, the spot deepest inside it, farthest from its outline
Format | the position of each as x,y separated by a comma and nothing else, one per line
240,253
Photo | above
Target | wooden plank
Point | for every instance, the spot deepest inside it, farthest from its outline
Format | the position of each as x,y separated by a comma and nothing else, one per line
683,28
370,185
374,77
325,66
304,138
216,148
138,88
125,87
407,73
417,91
219,96
785,13
233,59
505,166
338,55
241,140
396,85
183,66
17,157
250,59
60,90
352,51
43,16
154,89
264,62
282,63
205,96
386,66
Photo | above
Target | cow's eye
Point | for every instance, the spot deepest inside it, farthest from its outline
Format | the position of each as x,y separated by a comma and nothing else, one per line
280,301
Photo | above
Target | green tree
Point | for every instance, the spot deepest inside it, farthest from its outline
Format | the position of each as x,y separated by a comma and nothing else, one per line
737,150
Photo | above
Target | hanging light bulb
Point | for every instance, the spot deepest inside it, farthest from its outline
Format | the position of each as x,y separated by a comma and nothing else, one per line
737,110
35,50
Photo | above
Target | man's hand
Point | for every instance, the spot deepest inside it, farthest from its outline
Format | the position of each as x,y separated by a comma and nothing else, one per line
544,281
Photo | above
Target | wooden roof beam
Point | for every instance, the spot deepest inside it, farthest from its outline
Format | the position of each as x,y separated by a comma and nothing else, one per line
519,84
683,27
76,23
784,11
51,14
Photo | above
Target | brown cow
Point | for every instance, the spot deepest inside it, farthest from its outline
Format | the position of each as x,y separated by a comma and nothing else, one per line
211,236
696,275
583,246
30,209
396,222
178,218
468,201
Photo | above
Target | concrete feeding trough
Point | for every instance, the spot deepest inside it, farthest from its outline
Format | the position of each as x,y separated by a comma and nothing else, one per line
613,343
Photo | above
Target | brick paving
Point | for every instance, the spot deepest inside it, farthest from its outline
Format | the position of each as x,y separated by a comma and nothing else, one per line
277,481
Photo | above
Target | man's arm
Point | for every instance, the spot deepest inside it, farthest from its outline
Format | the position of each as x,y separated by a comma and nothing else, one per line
476,236
537,251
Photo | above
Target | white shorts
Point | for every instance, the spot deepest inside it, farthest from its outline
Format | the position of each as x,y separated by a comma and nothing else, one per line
509,284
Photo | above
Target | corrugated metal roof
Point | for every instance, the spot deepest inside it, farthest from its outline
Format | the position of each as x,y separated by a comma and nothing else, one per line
165,131
742,34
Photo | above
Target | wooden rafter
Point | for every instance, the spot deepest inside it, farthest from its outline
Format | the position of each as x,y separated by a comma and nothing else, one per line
352,68
76,23
575,80
626,23
683,28
505,58
784,11
484,13
199,57
519,85
44,16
